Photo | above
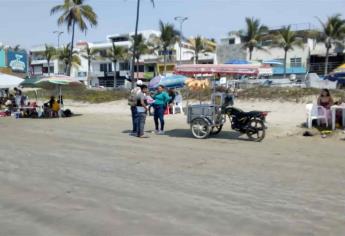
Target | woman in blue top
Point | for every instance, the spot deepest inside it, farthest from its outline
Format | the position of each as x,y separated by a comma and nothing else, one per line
161,100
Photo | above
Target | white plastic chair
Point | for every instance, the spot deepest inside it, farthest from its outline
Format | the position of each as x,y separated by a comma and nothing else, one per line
177,104
315,112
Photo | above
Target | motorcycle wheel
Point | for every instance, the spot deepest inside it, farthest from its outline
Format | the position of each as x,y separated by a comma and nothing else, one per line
216,129
200,128
256,130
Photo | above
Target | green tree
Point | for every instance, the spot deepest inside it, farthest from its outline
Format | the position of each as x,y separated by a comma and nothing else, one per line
115,54
90,54
49,54
63,55
200,45
287,40
143,47
75,13
135,35
168,38
333,31
253,35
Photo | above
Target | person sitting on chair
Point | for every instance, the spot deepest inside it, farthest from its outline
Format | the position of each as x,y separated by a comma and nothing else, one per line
325,100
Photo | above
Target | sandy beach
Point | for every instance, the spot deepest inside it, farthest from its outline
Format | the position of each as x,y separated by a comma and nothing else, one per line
86,176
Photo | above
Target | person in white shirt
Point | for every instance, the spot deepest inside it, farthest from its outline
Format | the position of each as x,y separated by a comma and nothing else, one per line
141,111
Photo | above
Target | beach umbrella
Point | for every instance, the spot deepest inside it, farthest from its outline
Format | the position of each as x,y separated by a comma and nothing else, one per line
237,62
339,69
30,82
59,81
172,81
9,81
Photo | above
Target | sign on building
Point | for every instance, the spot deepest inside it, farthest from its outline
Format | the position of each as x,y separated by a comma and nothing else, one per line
17,61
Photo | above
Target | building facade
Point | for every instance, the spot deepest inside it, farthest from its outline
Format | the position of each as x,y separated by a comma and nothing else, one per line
102,69
300,60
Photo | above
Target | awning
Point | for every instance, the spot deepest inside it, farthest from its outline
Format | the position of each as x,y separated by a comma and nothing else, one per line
217,69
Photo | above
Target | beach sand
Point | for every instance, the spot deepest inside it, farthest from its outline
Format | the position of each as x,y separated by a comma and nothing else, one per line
86,176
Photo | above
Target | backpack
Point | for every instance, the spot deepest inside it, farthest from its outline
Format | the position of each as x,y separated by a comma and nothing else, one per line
132,99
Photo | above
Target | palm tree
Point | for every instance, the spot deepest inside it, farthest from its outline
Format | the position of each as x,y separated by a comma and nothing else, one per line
333,32
135,36
49,53
143,46
169,36
287,40
115,54
199,45
253,34
90,54
63,55
75,13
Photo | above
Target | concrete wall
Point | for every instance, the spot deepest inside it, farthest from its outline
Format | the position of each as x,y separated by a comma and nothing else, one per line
226,52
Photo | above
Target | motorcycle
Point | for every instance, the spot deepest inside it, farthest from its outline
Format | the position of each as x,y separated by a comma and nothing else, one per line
250,123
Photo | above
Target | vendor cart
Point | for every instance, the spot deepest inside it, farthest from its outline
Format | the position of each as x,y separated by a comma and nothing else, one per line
208,119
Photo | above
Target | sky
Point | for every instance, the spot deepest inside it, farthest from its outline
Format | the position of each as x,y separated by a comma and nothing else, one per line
28,22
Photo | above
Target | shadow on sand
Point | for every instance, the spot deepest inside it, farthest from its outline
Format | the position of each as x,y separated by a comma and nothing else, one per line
186,133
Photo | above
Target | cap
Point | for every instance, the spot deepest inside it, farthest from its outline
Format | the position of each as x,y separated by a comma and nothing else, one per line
139,82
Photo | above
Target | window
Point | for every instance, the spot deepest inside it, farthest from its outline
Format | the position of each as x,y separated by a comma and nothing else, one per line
232,41
151,68
124,66
267,43
103,67
103,53
296,62
141,68
110,67
82,74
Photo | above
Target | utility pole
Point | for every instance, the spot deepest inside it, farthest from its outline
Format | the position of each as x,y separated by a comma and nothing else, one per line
58,33
181,20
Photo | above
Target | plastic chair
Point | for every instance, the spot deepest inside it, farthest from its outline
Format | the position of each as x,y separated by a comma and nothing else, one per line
315,112
177,104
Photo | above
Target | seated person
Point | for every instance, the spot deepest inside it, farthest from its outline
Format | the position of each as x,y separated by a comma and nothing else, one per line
325,100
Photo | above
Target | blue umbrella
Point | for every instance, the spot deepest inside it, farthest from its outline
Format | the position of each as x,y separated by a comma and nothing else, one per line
173,81
237,62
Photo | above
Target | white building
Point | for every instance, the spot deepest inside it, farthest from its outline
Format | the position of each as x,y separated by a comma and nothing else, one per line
102,69
310,57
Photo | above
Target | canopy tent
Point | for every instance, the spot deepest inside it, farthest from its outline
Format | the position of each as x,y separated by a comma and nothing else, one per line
173,81
237,62
228,69
9,81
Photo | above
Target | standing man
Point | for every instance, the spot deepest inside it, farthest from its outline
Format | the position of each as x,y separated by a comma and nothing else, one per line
142,111
132,102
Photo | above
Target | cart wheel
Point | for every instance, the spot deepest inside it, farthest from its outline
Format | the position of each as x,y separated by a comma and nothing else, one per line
256,130
216,129
200,128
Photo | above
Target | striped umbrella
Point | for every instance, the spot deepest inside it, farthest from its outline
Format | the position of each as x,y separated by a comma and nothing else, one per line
59,80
